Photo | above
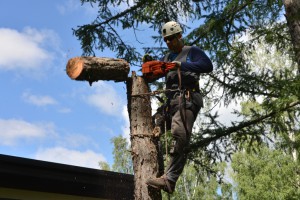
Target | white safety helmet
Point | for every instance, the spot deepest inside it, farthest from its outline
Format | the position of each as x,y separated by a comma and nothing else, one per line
170,28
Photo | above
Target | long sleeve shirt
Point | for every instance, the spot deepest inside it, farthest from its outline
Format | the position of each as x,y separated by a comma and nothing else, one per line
197,61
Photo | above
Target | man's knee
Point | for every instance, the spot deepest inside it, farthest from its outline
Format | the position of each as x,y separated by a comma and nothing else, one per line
178,124
178,146
174,147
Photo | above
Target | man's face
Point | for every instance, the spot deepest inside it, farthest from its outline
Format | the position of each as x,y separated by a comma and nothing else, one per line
173,42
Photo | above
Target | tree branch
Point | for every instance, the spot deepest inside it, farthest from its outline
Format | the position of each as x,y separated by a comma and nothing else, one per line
241,89
242,125
121,14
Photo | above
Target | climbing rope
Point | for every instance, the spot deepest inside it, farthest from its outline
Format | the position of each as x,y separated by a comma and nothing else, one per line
153,93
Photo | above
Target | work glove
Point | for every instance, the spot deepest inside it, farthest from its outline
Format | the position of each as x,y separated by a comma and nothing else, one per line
178,64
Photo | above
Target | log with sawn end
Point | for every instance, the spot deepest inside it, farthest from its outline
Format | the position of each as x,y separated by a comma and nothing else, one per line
92,69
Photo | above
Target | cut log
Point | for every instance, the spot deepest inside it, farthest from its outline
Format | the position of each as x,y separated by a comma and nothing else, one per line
93,69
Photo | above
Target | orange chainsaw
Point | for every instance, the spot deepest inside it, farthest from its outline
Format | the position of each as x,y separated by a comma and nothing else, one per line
156,69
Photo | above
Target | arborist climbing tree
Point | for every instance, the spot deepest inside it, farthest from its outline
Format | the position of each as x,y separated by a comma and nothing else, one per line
181,68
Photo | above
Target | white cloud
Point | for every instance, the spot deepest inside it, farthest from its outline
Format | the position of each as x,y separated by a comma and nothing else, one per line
154,105
126,126
74,140
86,158
226,115
12,131
38,100
105,99
25,50
71,6
68,6
64,110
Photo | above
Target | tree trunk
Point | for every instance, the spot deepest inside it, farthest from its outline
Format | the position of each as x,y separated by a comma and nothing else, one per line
144,153
143,142
292,9
92,69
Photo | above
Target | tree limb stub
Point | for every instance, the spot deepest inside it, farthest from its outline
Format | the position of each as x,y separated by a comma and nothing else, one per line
93,69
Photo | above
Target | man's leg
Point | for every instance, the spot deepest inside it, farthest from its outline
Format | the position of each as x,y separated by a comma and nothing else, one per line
178,157
181,141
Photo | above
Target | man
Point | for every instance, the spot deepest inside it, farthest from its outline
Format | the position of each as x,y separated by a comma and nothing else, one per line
183,104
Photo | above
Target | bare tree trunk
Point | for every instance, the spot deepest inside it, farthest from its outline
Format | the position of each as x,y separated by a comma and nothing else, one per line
92,69
292,9
144,153
143,142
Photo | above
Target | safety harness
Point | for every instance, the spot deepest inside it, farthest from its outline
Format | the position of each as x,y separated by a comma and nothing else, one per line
184,93
154,69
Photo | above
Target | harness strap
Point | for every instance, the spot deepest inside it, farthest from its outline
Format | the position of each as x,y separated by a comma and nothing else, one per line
183,112
181,107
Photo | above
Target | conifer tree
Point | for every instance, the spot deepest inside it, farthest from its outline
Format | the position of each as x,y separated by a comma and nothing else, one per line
219,28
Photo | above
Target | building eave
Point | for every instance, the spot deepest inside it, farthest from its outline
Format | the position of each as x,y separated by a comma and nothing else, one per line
43,176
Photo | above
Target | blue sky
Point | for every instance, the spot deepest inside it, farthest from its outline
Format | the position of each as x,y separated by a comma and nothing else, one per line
43,113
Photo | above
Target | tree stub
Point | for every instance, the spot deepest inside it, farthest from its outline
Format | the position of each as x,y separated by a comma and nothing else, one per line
93,69
143,143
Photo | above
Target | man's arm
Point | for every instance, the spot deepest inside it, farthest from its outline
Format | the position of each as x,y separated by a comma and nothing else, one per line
198,62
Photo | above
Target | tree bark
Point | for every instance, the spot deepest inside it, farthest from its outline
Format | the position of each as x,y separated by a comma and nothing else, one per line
144,153
292,9
92,69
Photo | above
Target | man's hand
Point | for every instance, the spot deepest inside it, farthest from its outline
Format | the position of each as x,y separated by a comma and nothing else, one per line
178,64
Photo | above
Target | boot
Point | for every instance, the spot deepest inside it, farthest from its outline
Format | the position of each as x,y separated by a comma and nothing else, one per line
162,183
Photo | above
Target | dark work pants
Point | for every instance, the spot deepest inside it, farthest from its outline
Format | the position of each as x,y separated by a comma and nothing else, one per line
179,157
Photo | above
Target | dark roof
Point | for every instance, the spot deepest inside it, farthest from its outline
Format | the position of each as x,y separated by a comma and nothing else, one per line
42,176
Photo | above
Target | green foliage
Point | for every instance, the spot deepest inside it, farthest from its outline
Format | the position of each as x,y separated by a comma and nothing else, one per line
195,184
269,174
104,166
122,156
